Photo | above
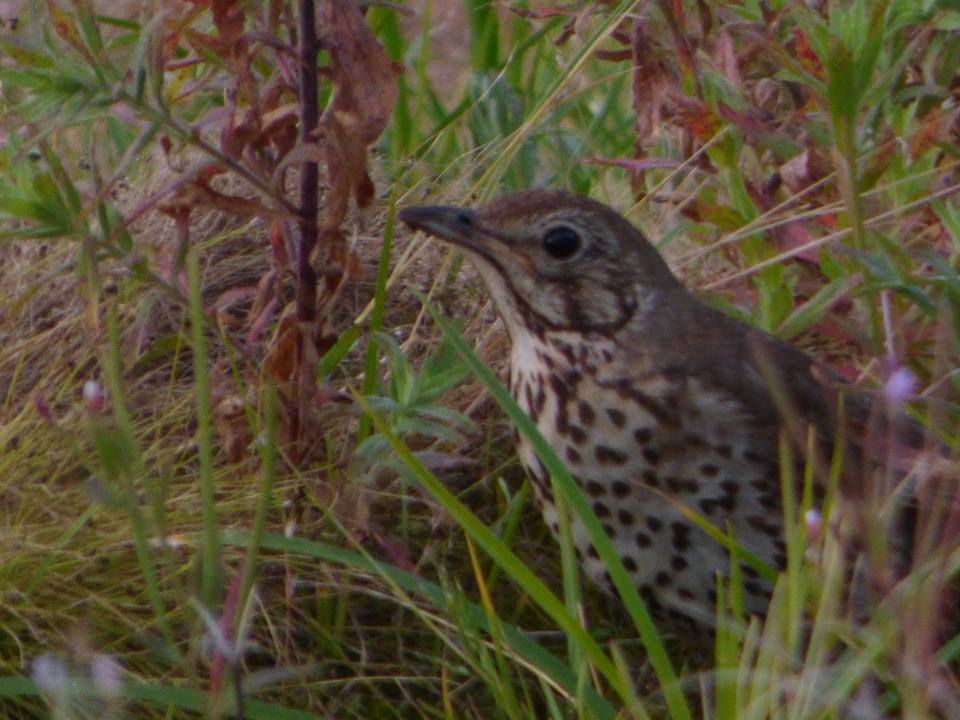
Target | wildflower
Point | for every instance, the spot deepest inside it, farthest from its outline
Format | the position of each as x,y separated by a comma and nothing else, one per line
50,673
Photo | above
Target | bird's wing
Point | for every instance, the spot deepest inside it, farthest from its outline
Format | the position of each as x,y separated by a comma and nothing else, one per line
776,383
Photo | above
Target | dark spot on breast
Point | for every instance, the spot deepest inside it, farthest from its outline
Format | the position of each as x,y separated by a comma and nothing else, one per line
709,470
586,413
643,540
628,391
582,351
616,417
694,441
592,552
712,595
572,454
559,387
650,478
629,563
662,579
770,502
515,384
685,594
620,489
727,502
653,605
540,399
780,561
678,563
595,489
601,510
608,456
755,458
651,455
708,505
681,536
654,523
761,525
608,529
578,434
730,487
625,517
643,435
724,450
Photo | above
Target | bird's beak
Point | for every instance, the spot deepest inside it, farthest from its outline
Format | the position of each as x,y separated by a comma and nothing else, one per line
453,224
465,229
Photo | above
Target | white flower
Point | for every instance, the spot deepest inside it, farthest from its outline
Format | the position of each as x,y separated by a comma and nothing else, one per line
50,673
106,675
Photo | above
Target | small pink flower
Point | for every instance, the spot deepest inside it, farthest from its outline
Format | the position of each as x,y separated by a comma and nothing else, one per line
900,387
93,396
50,673
106,675
814,524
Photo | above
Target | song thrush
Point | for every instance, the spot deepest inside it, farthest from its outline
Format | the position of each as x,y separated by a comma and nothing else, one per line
653,399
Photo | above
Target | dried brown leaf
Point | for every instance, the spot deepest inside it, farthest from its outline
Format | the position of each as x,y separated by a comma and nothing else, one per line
280,360
365,92
936,127
696,117
803,169
229,416
650,82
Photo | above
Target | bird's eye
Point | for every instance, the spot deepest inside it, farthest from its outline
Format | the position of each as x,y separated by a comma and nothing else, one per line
562,242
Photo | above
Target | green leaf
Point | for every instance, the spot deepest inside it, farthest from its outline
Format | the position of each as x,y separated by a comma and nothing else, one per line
24,53
812,311
335,354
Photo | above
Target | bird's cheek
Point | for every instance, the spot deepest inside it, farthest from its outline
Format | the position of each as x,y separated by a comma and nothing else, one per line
598,306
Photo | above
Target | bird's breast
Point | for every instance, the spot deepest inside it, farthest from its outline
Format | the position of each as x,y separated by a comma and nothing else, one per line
646,447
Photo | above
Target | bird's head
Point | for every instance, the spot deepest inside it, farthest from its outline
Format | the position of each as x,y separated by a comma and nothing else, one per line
553,260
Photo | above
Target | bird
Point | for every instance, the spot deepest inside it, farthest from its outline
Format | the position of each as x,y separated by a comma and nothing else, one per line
658,403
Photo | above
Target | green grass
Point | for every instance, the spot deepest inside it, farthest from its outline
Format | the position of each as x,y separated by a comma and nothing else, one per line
801,167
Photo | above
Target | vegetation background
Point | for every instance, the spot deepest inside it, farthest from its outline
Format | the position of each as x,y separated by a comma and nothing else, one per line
248,467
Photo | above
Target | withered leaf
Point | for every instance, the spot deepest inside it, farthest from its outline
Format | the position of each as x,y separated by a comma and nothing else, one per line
803,169
650,83
365,92
228,17
280,360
